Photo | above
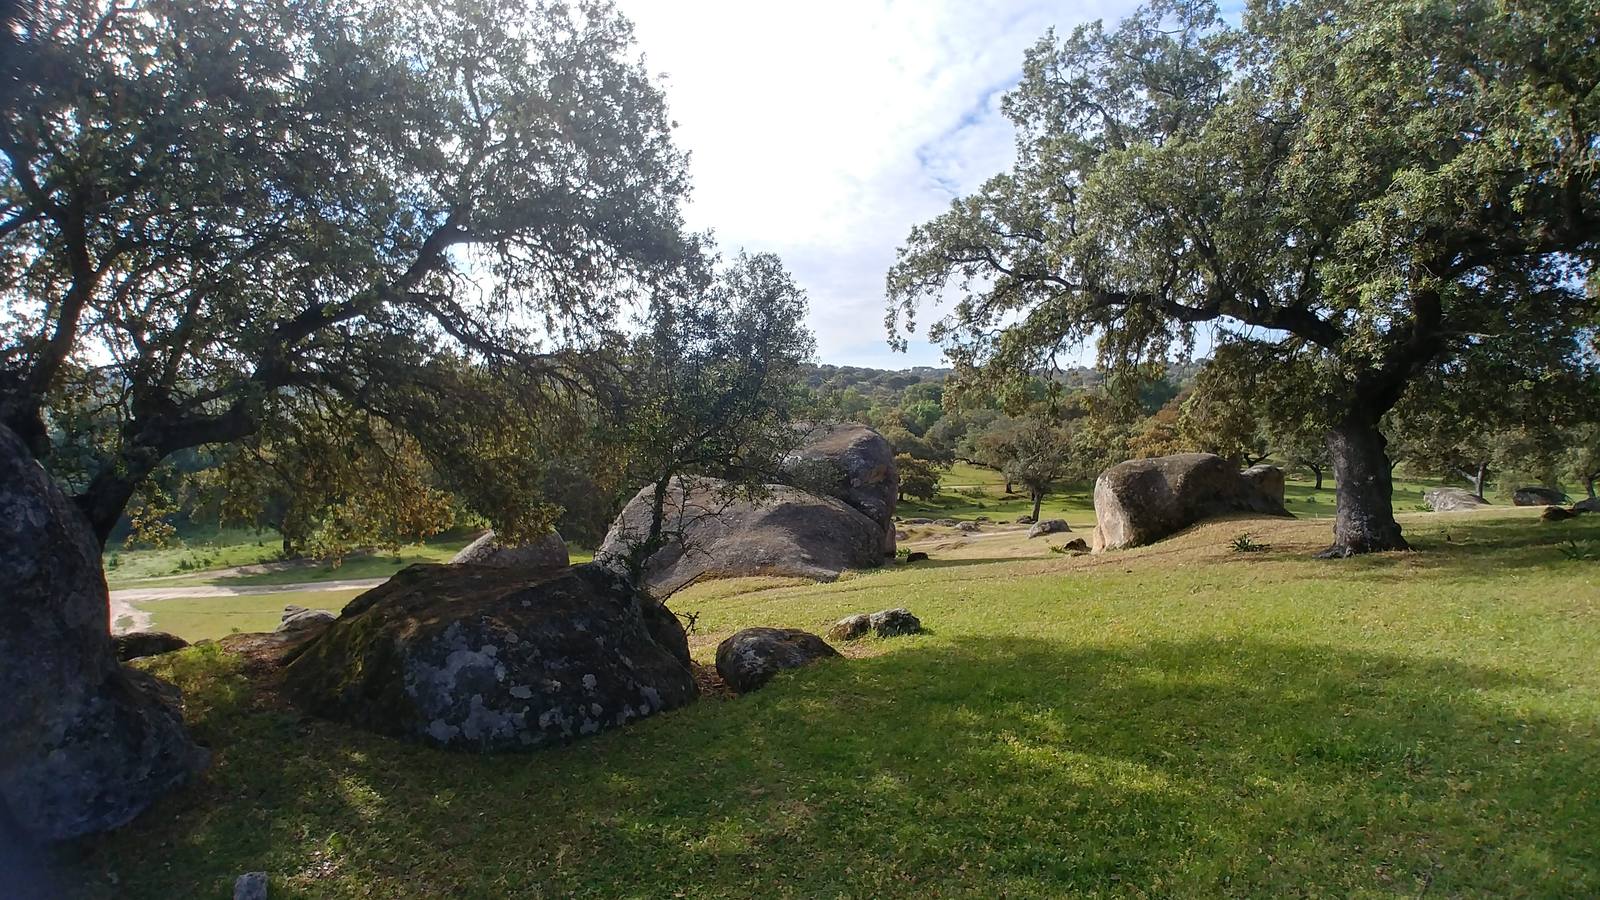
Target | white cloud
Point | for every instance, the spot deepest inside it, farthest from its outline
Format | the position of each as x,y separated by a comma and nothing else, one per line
823,131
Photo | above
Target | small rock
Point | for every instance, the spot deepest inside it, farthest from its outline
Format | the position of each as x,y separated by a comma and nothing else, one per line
850,627
916,556
750,658
1557,514
1049,526
967,526
980,518
250,886
299,619
901,534
145,643
895,622
1076,545
1024,520
945,523
916,522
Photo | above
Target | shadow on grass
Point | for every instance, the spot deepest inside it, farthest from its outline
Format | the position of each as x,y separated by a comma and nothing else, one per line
937,562
979,766
1488,549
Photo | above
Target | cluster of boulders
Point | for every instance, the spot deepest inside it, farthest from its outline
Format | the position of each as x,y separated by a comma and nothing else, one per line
886,623
750,658
1143,500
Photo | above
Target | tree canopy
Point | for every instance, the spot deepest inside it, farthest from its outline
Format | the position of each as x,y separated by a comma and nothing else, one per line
1356,188
431,213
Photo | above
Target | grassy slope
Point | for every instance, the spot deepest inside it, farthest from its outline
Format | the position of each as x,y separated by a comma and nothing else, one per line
1177,720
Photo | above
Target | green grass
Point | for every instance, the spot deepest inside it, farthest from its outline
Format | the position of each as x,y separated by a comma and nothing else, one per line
200,618
1178,720
211,550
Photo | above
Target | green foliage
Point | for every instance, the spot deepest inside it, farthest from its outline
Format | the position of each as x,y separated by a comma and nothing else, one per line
919,478
211,210
1245,544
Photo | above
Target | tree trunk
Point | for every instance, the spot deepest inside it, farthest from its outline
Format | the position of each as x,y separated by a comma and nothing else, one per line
107,496
1589,483
1480,478
1038,498
1365,522
1316,472
1008,487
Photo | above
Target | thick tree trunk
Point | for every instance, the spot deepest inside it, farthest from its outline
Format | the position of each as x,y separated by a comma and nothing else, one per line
1480,478
1589,483
106,497
1365,522
1038,499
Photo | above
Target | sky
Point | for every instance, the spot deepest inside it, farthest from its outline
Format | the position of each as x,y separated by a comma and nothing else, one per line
824,130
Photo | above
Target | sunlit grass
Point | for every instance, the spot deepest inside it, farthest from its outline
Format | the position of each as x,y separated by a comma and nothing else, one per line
1178,720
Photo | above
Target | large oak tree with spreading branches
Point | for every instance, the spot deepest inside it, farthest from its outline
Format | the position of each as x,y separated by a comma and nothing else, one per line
428,213
1354,189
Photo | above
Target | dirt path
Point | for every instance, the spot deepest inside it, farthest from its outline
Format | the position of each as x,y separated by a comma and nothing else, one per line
126,617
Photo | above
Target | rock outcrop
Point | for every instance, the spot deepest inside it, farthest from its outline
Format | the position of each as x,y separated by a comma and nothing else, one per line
1452,499
788,532
1143,500
855,464
139,644
86,743
543,555
482,658
750,658
1538,496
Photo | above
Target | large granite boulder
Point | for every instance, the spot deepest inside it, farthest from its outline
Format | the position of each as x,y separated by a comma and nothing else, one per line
718,534
1538,496
489,659
545,554
855,464
86,743
298,619
1452,499
1143,500
750,658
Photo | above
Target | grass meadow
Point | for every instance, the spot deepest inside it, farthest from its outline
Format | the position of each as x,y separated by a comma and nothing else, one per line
1176,720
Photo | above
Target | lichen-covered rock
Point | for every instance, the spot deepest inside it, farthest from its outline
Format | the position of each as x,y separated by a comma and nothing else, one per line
895,622
481,658
968,526
945,523
250,886
1024,520
1049,526
1452,499
788,532
543,555
1143,500
139,644
750,658
1538,496
86,743
298,618
855,464
1076,545
850,627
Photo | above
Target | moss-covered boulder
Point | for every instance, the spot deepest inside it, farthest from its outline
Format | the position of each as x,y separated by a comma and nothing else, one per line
483,658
